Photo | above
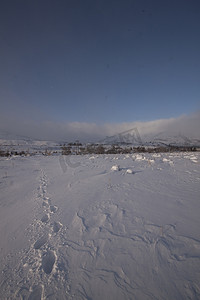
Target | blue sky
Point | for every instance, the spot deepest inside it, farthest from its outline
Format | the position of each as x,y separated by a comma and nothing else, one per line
99,61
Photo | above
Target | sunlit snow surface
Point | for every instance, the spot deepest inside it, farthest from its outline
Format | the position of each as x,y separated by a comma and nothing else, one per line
100,227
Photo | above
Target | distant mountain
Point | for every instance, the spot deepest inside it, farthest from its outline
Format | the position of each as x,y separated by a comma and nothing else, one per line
132,137
7,136
166,139
10,142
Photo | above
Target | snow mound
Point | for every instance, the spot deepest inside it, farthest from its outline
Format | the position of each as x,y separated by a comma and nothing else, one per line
151,161
166,160
115,168
129,171
193,159
156,155
139,157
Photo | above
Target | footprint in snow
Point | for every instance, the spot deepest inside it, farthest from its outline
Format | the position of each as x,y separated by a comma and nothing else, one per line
41,241
48,261
37,293
45,203
45,218
53,208
57,226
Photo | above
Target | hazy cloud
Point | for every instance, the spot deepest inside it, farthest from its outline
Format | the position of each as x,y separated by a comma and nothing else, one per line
187,125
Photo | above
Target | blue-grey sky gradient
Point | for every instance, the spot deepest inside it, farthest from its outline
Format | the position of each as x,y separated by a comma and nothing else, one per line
100,61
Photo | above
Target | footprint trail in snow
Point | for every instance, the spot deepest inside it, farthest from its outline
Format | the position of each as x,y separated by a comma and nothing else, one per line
39,263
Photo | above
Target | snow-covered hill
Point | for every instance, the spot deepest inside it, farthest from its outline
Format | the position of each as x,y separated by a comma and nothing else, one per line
12,142
166,139
130,137
133,137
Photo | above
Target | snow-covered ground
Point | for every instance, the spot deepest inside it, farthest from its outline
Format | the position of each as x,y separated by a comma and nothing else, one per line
100,227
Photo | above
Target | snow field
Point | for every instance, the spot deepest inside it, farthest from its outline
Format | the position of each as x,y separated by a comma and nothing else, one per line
98,232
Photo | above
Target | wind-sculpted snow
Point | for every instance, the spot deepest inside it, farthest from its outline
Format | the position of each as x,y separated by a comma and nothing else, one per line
101,230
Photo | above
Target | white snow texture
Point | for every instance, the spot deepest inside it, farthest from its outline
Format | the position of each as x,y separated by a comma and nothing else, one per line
100,230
